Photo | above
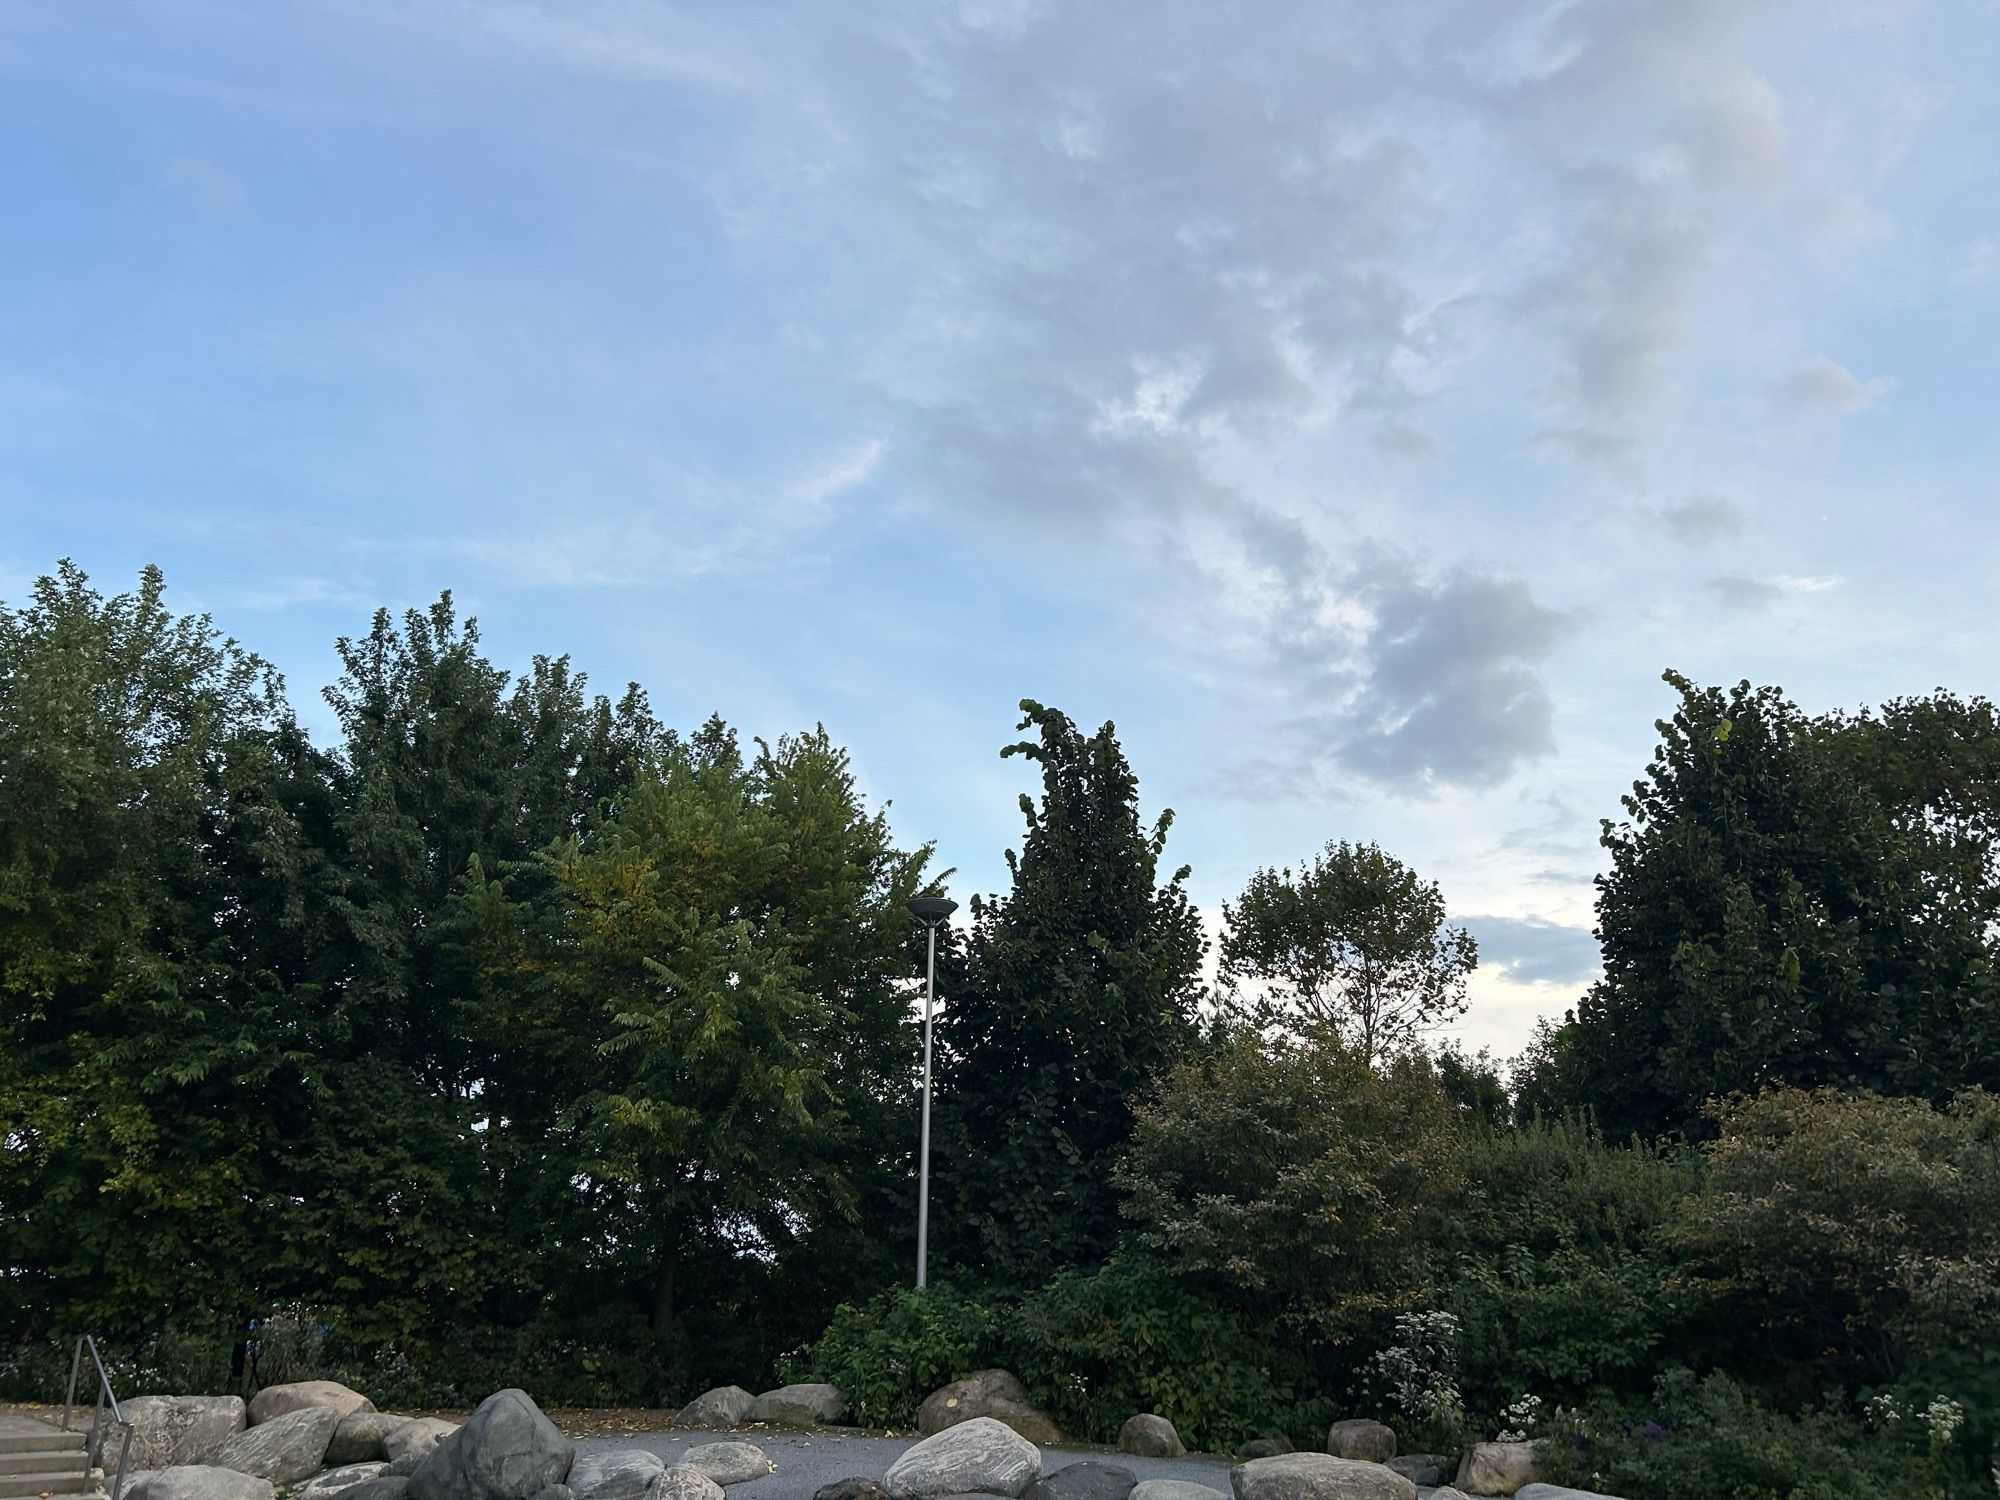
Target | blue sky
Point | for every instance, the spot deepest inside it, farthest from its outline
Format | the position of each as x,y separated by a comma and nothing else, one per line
1360,404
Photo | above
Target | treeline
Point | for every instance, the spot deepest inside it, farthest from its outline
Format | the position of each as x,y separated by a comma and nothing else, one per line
518,1038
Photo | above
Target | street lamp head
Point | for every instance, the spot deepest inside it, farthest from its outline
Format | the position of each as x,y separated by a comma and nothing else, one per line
931,910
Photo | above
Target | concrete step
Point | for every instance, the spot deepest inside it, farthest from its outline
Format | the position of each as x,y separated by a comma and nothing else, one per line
46,1440
43,1463
75,1482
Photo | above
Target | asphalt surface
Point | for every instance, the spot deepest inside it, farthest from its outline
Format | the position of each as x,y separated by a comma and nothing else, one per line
807,1460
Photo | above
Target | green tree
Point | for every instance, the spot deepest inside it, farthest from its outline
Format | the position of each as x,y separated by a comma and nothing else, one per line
145,1058
1792,900
1355,944
1071,991
712,984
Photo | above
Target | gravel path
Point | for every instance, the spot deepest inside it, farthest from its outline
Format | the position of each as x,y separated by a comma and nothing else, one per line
807,1460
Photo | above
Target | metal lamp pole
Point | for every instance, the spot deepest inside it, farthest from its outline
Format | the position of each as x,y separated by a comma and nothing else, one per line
932,912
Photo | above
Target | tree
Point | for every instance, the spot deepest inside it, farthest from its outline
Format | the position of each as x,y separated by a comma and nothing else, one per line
711,984
1355,945
1069,993
1793,900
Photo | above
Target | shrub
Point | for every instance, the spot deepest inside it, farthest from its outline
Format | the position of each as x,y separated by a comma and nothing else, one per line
888,1354
1560,1281
1296,1184
1849,1234
1699,1440
1095,1348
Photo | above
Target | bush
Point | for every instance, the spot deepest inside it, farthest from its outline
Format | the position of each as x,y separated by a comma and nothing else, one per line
1848,1236
1095,1348
1700,1440
888,1354
1560,1281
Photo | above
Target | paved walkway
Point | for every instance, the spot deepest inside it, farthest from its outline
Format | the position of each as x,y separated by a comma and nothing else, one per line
13,1424
807,1460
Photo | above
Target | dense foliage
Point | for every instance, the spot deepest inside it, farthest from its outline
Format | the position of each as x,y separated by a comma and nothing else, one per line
1071,991
514,1037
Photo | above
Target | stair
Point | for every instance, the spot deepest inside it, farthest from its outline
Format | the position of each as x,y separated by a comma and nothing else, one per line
39,1459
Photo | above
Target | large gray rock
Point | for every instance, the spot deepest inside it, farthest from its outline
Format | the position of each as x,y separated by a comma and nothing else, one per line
170,1431
1264,1447
199,1482
977,1454
284,1449
1496,1468
361,1437
1445,1492
1090,1480
1175,1489
997,1394
856,1488
383,1487
297,1395
1424,1470
683,1482
724,1407
407,1463
729,1463
412,1440
1317,1476
620,1474
1150,1436
337,1481
506,1450
1557,1492
799,1406
1359,1437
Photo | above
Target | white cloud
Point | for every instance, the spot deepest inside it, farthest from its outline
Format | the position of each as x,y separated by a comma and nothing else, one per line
1828,386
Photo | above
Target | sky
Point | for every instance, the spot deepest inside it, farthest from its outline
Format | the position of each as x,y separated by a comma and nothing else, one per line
1361,405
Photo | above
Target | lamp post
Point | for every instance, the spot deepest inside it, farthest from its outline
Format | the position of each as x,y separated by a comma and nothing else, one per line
932,912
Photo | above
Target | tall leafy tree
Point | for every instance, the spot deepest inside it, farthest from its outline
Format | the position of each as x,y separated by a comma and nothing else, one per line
712,985
146,1050
1355,944
1071,991
1796,900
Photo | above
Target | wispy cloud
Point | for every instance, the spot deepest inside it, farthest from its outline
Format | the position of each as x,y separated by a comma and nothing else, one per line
1825,385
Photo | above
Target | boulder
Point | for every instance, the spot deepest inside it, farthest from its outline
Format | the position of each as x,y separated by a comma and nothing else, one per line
1557,1492
506,1450
620,1474
170,1431
856,1488
278,1400
284,1449
997,1394
414,1438
360,1437
1264,1447
1425,1470
980,1454
799,1406
410,1460
1149,1437
199,1482
680,1482
382,1487
555,1492
729,1463
1496,1468
1446,1492
336,1481
725,1406
1175,1489
1090,1480
1317,1476
1359,1437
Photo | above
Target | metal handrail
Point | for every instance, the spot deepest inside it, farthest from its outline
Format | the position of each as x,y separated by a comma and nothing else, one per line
104,1394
